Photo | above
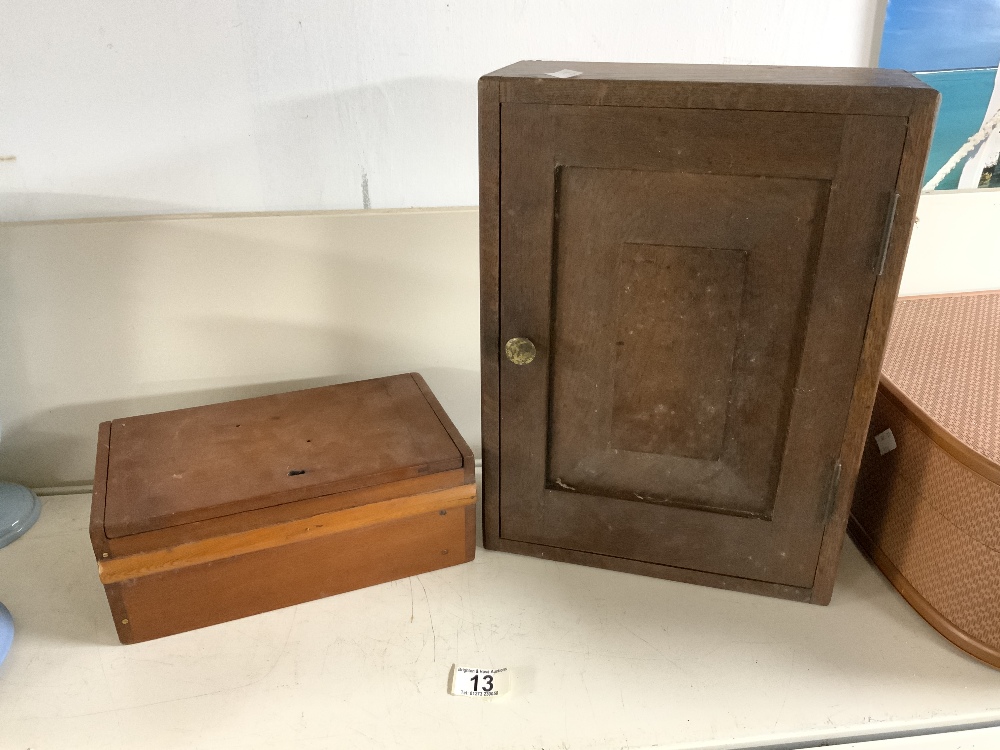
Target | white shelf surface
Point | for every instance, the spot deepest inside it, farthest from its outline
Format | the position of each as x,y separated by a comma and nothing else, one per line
600,660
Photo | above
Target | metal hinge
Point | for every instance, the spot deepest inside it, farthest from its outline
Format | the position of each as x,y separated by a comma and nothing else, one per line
887,232
832,491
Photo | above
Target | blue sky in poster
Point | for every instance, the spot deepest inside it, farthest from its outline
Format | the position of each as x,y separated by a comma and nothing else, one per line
923,35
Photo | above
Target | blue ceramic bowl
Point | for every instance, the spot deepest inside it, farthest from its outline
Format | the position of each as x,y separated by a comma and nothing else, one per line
19,509
6,631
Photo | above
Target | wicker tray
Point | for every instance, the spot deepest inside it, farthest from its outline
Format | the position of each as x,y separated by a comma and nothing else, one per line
927,503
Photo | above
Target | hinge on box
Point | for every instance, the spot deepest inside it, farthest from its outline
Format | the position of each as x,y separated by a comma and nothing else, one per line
887,232
831,495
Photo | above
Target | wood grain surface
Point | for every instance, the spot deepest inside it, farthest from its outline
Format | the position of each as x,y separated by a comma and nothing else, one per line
388,491
323,524
173,601
920,128
188,465
695,254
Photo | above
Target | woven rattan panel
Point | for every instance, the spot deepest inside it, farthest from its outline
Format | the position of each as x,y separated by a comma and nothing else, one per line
944,353
937,523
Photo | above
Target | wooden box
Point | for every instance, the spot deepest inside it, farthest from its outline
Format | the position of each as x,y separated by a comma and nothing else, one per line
927,505
208,514
687,279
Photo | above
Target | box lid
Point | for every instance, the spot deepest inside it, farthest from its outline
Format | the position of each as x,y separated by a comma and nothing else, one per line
941,361
196,464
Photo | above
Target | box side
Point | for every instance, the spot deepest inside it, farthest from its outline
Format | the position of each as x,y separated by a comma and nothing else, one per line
959,450
929,523
113,570
985,652
470,531
181,590
468,458
172,536
97,537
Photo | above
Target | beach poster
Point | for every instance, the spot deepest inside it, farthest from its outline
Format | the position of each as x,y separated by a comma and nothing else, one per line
954,46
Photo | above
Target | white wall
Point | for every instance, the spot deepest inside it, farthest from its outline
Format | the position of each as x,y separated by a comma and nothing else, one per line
955,245
104,319
139,107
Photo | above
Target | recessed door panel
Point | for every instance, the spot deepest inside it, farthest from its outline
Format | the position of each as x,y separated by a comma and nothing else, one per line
676,330
678,307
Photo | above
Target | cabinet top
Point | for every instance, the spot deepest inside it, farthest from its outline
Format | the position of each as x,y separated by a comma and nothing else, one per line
677,73
847,91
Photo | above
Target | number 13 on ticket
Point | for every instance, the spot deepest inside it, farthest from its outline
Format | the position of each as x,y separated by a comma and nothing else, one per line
480,683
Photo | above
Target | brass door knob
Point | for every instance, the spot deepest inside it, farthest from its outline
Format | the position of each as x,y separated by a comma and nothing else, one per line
520,351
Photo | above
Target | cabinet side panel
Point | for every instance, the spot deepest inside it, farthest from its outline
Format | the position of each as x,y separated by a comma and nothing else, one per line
916,147
489,269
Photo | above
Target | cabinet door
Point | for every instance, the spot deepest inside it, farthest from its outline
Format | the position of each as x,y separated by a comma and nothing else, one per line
696,285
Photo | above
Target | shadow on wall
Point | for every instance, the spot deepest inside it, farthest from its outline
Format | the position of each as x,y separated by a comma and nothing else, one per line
410,142
35,206
100,320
